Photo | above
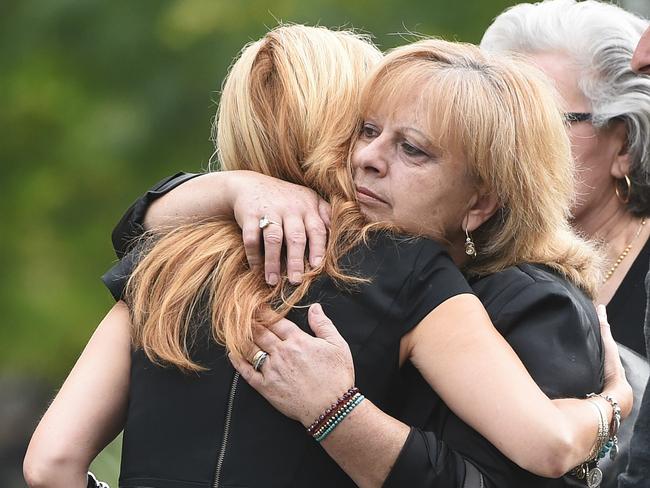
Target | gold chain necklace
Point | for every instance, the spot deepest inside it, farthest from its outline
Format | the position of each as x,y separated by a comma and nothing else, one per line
625,252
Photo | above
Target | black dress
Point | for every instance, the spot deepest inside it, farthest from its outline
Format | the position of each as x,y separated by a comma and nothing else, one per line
626,309
550,324
176,423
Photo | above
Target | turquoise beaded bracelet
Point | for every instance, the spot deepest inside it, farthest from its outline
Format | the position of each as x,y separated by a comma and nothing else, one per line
340,415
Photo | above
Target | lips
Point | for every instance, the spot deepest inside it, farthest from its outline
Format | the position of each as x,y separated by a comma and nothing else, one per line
365,195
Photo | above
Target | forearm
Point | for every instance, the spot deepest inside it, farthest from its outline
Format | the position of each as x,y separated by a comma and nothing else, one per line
366,444
89,410
202,197
506,406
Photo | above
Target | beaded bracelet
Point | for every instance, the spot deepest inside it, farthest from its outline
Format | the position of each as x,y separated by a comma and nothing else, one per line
322,419
340,417
331,419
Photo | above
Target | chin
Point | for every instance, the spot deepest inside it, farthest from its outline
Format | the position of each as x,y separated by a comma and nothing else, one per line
370,214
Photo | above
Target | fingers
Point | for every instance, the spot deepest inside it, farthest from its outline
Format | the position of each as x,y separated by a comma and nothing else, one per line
252,377
296,239
325,212
322,325
605,329
265,339
602,315
273,237
252,247
283,329
317,239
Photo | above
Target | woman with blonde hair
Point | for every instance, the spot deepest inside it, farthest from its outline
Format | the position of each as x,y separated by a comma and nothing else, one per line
495,122
395,299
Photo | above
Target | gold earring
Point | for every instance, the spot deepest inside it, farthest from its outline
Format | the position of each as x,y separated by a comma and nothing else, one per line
470,248
626,199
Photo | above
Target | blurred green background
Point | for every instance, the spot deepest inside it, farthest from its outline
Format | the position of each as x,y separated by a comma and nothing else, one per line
98,100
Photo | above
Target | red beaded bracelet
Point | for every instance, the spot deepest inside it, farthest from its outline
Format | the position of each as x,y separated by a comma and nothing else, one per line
332,410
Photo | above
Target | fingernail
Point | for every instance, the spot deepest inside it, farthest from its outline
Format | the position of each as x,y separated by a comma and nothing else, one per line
296,278
316,308
318,260
272,279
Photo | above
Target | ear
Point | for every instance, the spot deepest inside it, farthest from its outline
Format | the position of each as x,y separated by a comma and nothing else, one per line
482,207
621,162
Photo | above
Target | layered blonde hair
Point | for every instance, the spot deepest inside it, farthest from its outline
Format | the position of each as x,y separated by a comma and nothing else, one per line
505,118
288,109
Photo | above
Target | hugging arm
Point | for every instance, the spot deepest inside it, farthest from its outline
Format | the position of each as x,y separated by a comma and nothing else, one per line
88,411
300,217
504,405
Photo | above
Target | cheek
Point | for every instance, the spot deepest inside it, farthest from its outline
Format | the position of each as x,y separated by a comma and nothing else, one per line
426,203
354,160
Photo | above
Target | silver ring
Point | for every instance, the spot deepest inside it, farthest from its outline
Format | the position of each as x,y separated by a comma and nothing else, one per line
258,359
265,222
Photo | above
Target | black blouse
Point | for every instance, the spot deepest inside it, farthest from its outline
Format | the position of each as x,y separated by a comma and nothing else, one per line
554,329
176,422
626,309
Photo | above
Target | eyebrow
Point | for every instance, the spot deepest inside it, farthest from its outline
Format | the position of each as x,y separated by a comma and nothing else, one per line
427,140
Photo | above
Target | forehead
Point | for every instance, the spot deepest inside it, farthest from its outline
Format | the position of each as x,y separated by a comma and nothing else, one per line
641,57
565,74
406,105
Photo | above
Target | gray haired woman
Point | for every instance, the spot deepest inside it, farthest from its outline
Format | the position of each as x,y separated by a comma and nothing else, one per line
586,47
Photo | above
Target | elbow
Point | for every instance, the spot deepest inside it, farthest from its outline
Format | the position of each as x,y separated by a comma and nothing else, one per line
553,459
49,469
36,471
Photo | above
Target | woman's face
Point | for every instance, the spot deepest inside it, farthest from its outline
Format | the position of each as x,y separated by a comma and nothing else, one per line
402,177
595,151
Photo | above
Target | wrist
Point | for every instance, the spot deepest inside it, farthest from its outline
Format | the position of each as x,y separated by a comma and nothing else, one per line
329,420
325,407
621,391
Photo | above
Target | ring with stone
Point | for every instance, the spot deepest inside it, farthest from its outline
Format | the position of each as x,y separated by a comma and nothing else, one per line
258,359
265,222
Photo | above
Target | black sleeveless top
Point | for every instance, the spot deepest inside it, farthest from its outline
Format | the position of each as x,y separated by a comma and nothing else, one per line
176,422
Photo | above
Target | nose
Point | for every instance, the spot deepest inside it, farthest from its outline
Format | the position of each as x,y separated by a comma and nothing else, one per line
641,58
371,156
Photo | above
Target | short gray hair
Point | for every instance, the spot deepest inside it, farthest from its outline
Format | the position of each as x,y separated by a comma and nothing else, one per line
600,38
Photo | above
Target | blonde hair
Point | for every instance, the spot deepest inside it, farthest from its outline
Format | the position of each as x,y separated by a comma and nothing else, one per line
289,108
505,117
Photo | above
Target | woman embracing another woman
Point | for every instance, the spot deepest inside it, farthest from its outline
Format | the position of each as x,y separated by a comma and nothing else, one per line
434,175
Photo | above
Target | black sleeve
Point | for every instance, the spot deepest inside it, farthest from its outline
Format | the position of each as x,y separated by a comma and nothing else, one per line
116,278
131,225
554,332
556,336
426,462
435,279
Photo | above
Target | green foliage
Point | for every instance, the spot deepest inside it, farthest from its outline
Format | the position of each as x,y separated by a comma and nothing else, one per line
101,99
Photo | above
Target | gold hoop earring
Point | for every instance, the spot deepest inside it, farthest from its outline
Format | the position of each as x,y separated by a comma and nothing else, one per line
624,199
470,248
